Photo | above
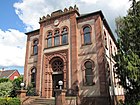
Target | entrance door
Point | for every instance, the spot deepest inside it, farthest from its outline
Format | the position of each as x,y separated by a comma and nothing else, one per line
56,78
57,67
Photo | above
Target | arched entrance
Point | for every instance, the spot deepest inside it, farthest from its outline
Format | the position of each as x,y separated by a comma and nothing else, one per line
57,65
54,69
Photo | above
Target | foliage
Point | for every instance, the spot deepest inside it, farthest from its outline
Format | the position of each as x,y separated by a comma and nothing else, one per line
16,86
16,83
128,56
13,101
3,101
10,101
5,89
31,91
11,86
4,80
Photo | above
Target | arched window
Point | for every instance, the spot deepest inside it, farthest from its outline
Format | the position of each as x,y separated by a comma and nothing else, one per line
88,73
87,35
64,36
35,47
49,39
56,38
57,65
33,77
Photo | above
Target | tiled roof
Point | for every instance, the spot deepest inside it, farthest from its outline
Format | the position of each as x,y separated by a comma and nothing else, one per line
6,73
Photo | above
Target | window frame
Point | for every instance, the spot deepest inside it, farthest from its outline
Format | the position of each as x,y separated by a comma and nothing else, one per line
86,33
56,39
57,65
35,47
64,34
84,73
56,35
33,76
49,37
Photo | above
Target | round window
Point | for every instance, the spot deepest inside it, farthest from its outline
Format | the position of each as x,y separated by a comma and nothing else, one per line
57,65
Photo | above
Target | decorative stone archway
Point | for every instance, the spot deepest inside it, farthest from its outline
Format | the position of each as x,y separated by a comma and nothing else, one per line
48,71
57,67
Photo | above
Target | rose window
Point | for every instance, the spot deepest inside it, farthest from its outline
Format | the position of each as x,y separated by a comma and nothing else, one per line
57,65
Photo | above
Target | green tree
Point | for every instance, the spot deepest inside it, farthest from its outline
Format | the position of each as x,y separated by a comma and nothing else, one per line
5,89
16,85
4,80
128,56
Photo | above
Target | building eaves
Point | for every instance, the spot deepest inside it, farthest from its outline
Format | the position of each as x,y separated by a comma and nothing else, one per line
37,30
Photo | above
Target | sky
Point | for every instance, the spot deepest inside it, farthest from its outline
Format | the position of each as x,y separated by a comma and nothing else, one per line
20,16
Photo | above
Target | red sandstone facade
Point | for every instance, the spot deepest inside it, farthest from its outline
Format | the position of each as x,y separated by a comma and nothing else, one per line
60,50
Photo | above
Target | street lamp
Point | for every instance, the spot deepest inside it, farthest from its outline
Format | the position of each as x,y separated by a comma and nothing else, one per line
60,84
22,85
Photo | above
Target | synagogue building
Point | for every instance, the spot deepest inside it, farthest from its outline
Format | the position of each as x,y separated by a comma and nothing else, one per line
76,49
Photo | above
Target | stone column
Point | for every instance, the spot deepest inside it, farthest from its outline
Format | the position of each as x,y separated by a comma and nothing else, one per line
64,74
21,93
60,97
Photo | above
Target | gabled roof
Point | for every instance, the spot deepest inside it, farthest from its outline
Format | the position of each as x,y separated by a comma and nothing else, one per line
6,73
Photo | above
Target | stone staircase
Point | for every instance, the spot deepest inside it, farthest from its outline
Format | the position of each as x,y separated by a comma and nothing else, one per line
42,101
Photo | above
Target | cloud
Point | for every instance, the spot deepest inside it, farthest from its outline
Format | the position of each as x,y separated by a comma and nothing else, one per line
89,1
12,44
29,11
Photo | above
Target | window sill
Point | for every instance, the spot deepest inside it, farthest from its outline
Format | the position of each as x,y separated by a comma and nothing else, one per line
56,46
84,44
90,84
34,54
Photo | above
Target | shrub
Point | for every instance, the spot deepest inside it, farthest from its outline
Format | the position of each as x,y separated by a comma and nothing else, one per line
5,88
3,101
13,101
16,86
4,80
16,83
31,91
9,101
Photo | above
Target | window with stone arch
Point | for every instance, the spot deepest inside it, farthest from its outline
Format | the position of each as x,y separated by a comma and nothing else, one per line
86,35
33,76
35,47
56,37
89,72
64,37
49,39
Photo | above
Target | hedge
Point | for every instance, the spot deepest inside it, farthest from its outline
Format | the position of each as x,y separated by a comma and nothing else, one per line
9,101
